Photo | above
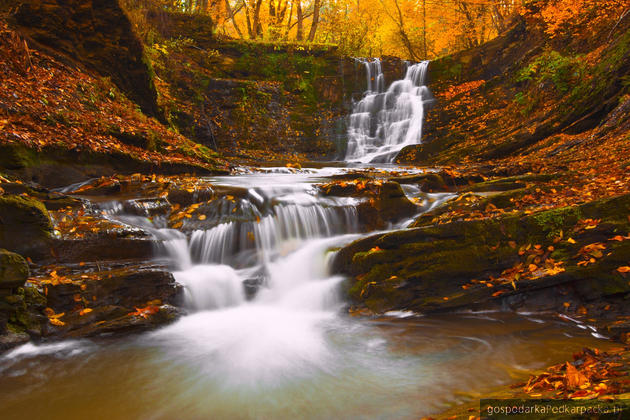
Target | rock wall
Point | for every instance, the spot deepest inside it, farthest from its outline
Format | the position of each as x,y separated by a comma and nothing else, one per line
98,35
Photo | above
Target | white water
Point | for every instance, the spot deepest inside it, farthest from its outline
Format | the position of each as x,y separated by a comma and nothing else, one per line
384,122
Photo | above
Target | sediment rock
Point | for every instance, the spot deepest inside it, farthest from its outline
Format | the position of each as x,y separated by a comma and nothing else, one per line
25,226
424,269
13,270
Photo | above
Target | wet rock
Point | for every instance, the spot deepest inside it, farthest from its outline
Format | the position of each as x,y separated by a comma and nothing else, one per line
384,202
21,316
127,288
424,269
25,226
510,183
148,207
13,339
252,286
101,248
13,270
441,181
120,300
52,200
114,320
185,197
222,210
388,204
99,186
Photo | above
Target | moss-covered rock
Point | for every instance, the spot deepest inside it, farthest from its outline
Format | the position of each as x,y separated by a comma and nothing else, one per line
13,270
425,268
52,200
25,225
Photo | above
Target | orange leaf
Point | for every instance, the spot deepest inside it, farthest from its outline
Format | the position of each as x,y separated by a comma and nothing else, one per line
574,379
56,322
85,311
624,269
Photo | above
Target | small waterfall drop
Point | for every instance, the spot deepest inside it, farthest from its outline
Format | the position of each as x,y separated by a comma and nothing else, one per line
384,122
211,287
273,247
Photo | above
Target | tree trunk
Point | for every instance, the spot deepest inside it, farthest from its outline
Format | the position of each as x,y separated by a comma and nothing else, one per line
316,6
231,14
257,26
288,28
250,32
403,34
424,27
300,21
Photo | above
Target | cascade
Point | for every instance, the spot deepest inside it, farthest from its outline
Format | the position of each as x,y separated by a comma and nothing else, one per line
384,122
276,225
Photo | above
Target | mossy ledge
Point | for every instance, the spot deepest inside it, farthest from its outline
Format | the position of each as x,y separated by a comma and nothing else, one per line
57,166
423,269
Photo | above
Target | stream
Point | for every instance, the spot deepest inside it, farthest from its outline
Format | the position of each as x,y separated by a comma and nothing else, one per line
267,334
288,349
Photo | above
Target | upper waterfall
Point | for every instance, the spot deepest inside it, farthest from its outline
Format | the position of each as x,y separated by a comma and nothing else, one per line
384,122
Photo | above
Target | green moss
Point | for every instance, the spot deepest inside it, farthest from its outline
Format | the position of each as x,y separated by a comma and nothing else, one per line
13,270
563,71
553,221
15,157
25,224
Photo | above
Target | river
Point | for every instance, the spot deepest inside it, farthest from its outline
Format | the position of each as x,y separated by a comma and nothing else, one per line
287,348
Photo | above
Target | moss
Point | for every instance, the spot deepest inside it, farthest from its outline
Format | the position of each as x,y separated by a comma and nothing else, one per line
511,182
13,270
553,221
15,157
24,224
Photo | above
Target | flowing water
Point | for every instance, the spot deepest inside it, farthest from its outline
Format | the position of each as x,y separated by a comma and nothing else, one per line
385,121
289,352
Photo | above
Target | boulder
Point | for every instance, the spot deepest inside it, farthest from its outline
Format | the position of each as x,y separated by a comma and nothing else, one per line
126,288
13,270
385,202
25,226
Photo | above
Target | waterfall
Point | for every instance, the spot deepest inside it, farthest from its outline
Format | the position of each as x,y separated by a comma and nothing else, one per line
375,76
384,122
224,243
247,249
211,287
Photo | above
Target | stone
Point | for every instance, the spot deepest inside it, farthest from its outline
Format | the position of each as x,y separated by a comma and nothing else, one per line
13,270
25,226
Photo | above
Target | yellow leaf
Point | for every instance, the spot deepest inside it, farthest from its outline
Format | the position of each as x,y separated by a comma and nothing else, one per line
571,240
56,322
85,311
202,217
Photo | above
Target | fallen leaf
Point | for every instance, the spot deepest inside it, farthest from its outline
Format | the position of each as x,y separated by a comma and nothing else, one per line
574,378
85,311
